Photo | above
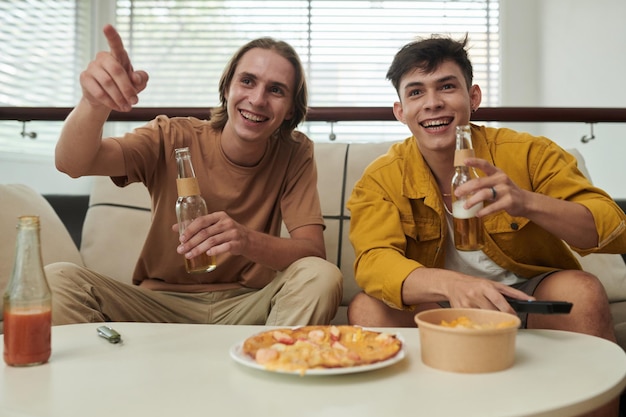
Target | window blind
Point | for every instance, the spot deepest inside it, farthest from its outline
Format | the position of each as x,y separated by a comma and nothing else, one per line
37,67
346,48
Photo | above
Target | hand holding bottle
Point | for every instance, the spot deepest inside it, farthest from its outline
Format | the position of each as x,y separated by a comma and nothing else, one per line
495,188
218,232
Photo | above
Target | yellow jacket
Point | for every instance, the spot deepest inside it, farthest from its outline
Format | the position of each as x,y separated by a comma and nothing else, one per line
398,221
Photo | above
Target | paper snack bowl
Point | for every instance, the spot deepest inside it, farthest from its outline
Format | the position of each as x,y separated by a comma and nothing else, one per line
487,346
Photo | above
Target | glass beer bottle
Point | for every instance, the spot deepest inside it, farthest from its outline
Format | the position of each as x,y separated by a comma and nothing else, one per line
27,300
468,229
189,206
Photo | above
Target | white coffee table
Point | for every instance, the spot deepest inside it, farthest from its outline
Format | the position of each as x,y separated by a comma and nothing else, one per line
186,371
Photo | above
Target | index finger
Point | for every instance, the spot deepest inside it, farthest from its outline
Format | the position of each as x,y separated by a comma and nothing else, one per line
116,45
481,164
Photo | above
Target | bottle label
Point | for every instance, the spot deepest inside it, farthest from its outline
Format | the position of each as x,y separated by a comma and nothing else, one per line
187,187
461,155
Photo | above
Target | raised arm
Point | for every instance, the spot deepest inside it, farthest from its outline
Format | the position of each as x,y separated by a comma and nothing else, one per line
108,83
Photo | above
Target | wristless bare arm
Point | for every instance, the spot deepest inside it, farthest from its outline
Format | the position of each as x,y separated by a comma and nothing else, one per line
278,253
81,151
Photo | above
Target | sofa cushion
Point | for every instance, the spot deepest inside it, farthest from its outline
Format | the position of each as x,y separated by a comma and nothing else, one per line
360,155
330,159
115,228
56,243
609,268
339,166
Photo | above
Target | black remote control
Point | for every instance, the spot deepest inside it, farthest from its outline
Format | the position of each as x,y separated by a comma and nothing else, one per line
540,307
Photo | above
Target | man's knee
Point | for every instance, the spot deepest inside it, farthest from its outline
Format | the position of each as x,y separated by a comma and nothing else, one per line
59,272
356,307
572,285
590,313
363,308
320,273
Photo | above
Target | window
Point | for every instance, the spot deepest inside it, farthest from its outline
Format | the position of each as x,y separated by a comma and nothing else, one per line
345,46
38,67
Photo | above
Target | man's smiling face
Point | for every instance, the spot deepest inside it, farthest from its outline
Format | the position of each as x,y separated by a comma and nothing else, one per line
433,104
260,95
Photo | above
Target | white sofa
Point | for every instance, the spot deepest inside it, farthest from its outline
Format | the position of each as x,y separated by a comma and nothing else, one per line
117,220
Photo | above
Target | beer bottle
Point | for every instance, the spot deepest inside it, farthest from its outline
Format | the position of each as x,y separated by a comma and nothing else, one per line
189,206
468,229
27,300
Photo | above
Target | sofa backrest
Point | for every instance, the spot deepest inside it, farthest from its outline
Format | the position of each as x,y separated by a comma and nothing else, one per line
117,220
339,166
115,228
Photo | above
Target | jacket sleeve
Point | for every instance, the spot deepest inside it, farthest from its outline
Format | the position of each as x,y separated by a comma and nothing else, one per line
556,174
377,233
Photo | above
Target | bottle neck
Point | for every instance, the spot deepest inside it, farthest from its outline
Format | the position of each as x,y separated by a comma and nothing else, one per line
186,184
28,248
28,281
185,167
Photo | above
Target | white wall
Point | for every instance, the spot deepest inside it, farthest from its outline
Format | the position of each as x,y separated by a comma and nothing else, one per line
556,53
41,175
570,53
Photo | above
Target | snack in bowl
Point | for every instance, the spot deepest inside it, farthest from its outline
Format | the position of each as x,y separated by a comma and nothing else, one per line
313,347
467,323
467,340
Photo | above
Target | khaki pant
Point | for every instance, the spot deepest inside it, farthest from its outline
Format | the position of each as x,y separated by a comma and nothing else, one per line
307,292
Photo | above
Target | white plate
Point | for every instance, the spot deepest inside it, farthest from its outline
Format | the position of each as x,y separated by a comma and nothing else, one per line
236,352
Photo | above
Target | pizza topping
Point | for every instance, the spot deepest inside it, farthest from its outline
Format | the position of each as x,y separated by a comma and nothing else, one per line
335,333
311,347
266,355
317,335
279,347
282,337
356,336
337,345
385,338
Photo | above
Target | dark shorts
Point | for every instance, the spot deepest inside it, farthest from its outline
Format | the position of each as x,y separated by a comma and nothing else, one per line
528,286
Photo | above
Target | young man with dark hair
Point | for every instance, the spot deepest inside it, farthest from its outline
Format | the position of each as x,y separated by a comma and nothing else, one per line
536,204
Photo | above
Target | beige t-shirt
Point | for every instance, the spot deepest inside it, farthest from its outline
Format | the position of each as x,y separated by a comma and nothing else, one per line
281,187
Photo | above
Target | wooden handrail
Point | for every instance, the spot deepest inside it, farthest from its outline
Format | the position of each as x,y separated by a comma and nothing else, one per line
339,114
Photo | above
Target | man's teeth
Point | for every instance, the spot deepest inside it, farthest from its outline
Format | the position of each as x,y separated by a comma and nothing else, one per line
435,123
252,117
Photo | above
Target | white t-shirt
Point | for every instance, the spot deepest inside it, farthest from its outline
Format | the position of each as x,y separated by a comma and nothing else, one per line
475,263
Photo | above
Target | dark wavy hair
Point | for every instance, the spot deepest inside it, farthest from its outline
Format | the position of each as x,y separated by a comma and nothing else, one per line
219,115
427,55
